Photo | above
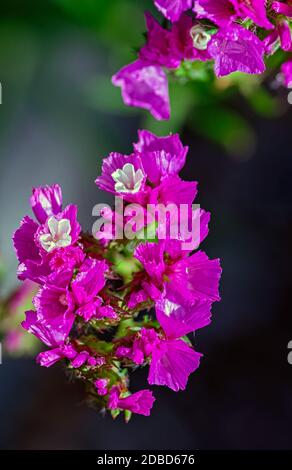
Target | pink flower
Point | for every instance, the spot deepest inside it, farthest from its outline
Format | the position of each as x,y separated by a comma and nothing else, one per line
140,402
101,386
144,86
89,281
171,359
191,39
283,8
220,12
50,334
236,49
167,154
177,320
34,243
286,69
182,279
68,258
171,364
150,174
142,347
122,175
88,306
223,12
160,48
46,201
55,304
282,31
172,9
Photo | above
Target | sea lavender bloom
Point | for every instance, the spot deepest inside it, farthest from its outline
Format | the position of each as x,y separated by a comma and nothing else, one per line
46,202
283,8
286,70
144,82
224,12
171,364
57,229
150,174
55,304
102,386
51,335
172,9
85,292
191,39
89,281
144,86
139,402
236,49
172,274
160,48
282,11
172,360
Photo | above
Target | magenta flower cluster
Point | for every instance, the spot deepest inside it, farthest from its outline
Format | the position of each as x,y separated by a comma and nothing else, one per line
100,323
235,35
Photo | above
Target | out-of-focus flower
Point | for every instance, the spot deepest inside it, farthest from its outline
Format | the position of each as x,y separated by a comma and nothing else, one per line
286,69
140,402
234,35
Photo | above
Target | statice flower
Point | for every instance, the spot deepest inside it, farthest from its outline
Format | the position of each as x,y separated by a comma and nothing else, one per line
172,9
233,35
224,12
105,305
287,73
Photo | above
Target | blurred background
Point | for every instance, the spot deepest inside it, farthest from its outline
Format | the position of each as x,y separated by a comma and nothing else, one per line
59,116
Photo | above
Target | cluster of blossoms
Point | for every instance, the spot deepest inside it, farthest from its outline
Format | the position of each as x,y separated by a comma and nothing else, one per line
235,35
100,320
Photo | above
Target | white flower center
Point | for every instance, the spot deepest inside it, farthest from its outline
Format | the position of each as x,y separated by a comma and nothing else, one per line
58,235
127,179
169,307
200,37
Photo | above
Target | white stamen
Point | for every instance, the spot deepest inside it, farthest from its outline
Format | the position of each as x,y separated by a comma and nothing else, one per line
200,37
127,179
169,307
58,235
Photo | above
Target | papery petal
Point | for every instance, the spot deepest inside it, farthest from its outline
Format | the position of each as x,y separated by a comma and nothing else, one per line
140,402
145,86
150,256
80,359
160,48
106,311
220,12
256,10
49,358
70,213
178,321
89,281
50,336
168,154
55,305
24,241
236,49
116,161
285,35
174,190
46,201
172,9
202,275
286,69
283,8
171,364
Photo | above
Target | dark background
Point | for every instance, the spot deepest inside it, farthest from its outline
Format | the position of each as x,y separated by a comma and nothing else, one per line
56,127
